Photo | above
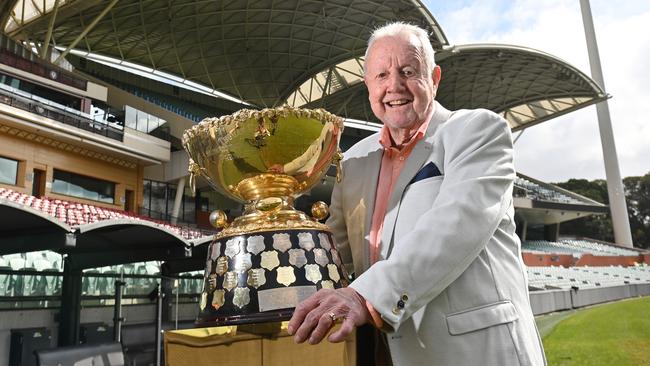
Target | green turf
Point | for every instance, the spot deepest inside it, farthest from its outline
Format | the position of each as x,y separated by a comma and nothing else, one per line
611,334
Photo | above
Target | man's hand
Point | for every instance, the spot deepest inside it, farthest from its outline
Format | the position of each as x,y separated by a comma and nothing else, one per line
315,316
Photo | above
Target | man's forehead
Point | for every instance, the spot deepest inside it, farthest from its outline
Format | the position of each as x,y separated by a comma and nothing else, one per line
389,47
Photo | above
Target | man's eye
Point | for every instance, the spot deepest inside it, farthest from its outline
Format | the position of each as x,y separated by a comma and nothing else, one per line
408,72
381,75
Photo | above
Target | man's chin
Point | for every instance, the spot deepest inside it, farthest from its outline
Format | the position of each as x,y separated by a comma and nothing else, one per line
402,123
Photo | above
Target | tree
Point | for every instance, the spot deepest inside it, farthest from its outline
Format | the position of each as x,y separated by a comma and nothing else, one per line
637,195
593,226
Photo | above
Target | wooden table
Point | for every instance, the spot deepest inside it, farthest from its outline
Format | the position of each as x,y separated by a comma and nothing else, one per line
240,346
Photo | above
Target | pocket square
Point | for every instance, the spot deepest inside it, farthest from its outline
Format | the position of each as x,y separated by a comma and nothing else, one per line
428,171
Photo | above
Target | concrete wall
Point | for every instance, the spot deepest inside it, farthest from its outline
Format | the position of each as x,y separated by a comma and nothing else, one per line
549,301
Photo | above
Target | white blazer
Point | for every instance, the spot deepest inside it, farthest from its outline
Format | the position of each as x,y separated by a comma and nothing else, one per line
451,283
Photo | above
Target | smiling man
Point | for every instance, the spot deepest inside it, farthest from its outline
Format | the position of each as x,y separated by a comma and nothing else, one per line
424,218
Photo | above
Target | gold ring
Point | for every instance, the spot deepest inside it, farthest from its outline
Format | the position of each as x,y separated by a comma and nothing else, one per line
333,317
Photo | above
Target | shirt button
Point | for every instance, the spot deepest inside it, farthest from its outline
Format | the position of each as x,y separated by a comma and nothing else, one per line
401,158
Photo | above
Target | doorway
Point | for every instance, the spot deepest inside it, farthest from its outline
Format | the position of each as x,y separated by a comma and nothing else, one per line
38,183
129,201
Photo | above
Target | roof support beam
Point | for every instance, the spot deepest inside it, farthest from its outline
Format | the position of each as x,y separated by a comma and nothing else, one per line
109,258
70,315
86,31
50,27
30,241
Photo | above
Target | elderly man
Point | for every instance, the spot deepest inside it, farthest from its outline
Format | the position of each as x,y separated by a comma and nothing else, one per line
424,212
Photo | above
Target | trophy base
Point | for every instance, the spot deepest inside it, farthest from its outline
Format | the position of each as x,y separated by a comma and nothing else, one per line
261,277
276,316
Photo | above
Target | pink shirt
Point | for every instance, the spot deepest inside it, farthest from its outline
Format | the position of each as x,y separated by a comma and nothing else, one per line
392,162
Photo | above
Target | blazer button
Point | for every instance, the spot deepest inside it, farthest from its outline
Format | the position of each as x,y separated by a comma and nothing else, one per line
405,297
396,310
400,304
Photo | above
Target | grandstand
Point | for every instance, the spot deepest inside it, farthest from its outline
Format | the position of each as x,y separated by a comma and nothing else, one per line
93,180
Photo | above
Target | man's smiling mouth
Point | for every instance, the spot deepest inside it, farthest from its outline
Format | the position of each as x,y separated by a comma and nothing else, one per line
398,102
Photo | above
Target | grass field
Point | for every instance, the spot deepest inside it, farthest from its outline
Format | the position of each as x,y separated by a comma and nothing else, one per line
616,334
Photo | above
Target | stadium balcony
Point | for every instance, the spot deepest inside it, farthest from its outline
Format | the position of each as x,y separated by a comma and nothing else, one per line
532,190
71,117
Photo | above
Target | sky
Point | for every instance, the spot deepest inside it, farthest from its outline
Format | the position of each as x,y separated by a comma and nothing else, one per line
569,146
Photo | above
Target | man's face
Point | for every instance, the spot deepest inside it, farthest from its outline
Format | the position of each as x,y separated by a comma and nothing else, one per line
400,90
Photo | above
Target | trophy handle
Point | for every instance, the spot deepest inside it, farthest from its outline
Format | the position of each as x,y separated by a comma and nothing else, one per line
337,161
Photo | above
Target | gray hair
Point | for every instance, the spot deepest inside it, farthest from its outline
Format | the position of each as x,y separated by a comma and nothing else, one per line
401,29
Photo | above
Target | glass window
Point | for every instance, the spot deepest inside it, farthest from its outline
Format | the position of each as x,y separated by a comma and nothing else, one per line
8,171
158,199
131,117
75,185
189,206
146,204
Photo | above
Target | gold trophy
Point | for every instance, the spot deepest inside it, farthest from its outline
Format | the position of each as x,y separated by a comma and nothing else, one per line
266,261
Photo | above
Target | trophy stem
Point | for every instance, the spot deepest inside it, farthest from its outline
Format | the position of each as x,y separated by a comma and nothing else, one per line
267,185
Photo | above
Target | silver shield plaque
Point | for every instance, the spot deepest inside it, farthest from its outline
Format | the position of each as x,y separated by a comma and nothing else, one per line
255,244
286,276
218,298
333,272
241,297
230,281
233,246
297,257
324,241
270,260
256,277
216,250
222,265
320,256
281,242
306,241
242,262
312,273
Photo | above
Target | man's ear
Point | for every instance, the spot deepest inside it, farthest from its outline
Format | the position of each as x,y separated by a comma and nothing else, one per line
436,75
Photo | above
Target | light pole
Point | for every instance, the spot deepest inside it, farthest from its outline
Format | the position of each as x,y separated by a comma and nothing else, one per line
615,190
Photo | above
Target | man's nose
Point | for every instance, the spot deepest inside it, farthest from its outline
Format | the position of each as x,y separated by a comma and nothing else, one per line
395,83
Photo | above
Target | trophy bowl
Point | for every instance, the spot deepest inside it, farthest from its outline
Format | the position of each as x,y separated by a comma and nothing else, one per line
260,266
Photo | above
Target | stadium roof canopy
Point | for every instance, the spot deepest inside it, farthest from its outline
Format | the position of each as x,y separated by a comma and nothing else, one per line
97,244
300,52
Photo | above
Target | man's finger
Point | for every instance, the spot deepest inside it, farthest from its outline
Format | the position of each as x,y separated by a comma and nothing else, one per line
301,312
308,324
340,335
325,323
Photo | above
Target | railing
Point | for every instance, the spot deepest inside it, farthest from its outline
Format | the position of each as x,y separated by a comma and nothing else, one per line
60,115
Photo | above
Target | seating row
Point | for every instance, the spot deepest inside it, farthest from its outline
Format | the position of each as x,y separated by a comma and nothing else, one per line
557,277
76,214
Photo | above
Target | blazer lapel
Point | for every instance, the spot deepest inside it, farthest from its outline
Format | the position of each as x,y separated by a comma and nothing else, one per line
415,161
370,176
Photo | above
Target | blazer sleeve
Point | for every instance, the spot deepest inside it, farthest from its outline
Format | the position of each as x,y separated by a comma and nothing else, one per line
474,196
